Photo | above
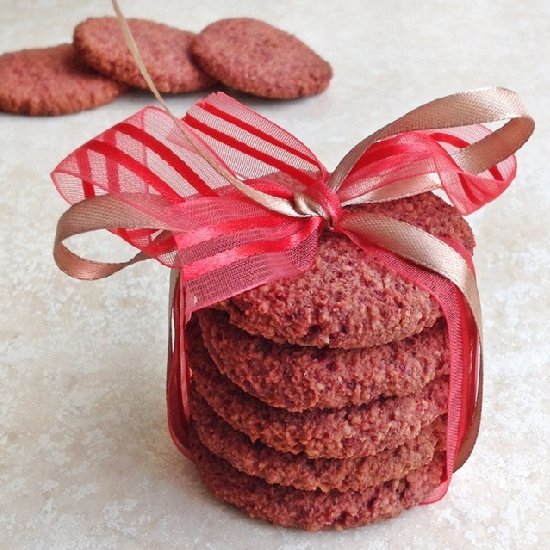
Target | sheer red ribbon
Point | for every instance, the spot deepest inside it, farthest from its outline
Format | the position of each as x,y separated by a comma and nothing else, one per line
223,243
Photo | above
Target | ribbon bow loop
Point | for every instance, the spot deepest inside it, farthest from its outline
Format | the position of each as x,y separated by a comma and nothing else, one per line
442,144
419,161
252,146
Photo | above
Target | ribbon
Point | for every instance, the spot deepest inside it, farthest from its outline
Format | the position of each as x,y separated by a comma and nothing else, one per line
170,191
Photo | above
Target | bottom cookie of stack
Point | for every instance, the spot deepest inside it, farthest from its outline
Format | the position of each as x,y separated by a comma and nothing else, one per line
314,510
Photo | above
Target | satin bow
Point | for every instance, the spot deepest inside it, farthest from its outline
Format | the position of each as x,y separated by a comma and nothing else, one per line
232,201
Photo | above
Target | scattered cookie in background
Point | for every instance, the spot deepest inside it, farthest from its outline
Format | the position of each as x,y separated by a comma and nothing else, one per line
255,57
165,51
51,81
247,55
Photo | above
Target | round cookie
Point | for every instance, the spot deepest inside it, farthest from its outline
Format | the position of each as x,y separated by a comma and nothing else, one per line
165,52
346,299
315,510
255,57
299,378
51,81
302,472
355,431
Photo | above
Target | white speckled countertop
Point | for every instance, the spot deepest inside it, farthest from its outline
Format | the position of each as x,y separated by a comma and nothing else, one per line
85,457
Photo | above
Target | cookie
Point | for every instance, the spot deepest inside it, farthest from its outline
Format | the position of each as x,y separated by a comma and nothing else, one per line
302,472
315,510
255,57
51,81
165,52
299,378
354,431
346,299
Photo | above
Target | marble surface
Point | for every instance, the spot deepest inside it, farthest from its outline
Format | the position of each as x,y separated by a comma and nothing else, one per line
85,457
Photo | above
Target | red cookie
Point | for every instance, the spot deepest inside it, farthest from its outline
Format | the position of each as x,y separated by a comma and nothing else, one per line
306,473
51,81
299,378
255,57
346,299
332,433
165,52
315,510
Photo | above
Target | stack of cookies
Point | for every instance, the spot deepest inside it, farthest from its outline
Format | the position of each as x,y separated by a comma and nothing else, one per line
319,401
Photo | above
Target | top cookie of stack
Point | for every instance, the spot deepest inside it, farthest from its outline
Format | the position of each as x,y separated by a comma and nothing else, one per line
319,401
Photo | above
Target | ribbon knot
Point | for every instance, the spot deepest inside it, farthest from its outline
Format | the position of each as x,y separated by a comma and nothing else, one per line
319,200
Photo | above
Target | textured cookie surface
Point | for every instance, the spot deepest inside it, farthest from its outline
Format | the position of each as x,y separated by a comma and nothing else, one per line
347,300
255,57
165,52
302,472
339,433
314,510
299,378
51,81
